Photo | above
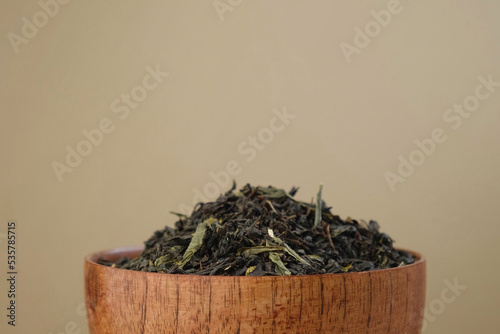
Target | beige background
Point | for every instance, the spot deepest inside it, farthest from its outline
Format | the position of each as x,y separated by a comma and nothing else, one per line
353,120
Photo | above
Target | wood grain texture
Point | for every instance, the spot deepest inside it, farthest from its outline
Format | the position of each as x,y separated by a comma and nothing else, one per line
125,301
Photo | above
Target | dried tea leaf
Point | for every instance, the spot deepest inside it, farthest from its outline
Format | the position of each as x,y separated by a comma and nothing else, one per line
346,268
336,231
165,259
272,207
196,241
265,231
319,209
180,215
249,270
280,267
259,249
211,220
271,233
288,249
315,257
272,192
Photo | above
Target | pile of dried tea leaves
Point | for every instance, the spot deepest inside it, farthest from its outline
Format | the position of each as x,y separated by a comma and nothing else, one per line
261,231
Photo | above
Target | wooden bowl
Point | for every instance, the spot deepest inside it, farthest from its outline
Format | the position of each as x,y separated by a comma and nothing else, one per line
125,301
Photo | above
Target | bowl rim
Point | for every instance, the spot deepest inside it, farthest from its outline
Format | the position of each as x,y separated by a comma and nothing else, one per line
91,260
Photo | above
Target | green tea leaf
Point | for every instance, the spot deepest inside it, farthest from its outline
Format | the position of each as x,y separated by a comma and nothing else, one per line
336,231
210,221
249,270
346,268
280,267
315,257
287,249
271,192
165,259
259,249
271,234
272,207
196,241
290,251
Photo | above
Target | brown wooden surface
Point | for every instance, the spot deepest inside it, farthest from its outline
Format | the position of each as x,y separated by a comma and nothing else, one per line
125,301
